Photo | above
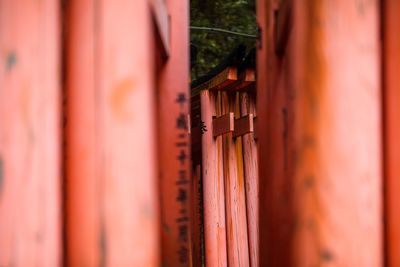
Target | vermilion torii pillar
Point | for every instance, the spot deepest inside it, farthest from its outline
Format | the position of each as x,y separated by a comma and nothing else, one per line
30,136
112,205
391,93
319,100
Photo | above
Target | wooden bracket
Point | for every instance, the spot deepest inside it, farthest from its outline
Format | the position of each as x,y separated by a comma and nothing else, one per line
223,124
244,125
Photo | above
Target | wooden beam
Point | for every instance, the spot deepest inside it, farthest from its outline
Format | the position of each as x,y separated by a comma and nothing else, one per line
243,125
220,81
245,81
223,124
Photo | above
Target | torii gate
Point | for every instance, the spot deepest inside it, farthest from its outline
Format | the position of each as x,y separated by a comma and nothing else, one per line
328,147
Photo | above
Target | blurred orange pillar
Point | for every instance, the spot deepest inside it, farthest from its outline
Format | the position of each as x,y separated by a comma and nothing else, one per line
391,67
319,114
174,144
30,199
112,203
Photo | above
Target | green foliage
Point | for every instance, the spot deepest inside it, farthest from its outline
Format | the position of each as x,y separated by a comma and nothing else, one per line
233,15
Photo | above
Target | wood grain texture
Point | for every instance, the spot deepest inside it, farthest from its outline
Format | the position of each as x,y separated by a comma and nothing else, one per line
236,218
30,136
213,186
250,165
223,124
243,125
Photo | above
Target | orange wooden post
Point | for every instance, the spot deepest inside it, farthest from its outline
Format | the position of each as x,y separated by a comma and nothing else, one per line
250,164
391,61
111,136
264,13
320,154
174,143
213,186
236,220
30,137
83,197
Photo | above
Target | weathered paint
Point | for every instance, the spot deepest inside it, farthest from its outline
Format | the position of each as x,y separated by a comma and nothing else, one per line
30,197
250,164
111,157
174,144
391,90
213,185
320,153
235,201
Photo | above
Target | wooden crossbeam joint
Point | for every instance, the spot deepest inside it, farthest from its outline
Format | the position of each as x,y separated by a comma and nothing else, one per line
244,125
223,124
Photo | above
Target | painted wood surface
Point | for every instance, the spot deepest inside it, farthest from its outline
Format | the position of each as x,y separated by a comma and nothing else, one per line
83,195
320,136
112,155
213,186
30,136
391,92
250,166
235,201
197,223
174,143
